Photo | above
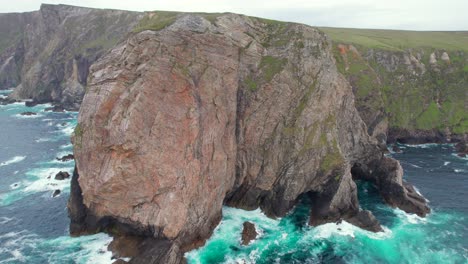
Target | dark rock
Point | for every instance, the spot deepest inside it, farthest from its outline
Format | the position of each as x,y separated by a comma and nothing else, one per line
156,251
388,177
248,233
62,175
412,137
366,220
125,246
28,113
31,103
76,209
6,101
56,192
396,149
461,148
66,158
119,261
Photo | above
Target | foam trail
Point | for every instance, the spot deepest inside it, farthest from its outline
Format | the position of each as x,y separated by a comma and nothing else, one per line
12,160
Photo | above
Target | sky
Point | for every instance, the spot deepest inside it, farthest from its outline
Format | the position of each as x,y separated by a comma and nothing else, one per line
383,14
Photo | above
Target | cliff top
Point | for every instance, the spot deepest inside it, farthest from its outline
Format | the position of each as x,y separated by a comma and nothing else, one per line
400,39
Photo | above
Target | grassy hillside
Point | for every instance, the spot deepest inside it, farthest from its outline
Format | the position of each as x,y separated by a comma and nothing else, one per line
400,40
417,92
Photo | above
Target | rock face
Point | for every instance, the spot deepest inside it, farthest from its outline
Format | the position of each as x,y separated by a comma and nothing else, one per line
46,54
412,96
206,111
249,233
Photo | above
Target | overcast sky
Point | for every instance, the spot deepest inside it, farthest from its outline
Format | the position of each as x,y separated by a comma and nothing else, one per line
388,14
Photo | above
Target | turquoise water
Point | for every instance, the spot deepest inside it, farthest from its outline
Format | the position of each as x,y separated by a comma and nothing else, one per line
34,225
442,237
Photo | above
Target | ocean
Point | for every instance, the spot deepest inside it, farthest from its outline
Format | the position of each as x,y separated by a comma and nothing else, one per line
34,225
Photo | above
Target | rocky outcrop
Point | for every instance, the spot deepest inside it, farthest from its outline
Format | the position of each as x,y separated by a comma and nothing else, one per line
411,96
249,233
212,110
46,54
62,175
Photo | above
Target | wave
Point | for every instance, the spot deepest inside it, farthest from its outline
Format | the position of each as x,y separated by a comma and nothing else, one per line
12,160
28,247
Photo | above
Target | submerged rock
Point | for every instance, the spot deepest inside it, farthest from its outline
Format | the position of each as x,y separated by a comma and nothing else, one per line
28,113
65,158
249,233
462,148
56,193
62,175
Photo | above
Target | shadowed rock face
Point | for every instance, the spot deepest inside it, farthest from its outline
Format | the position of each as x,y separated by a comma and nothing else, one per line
46,54
237,110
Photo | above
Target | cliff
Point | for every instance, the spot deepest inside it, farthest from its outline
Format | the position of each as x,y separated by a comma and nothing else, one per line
194,111
45,55
413,84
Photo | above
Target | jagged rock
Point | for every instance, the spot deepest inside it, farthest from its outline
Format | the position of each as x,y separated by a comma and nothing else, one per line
28,113
366,220
62,175
48,52
125,246
249,233
66,158
6,101
56,193
178,121
31,103
461,148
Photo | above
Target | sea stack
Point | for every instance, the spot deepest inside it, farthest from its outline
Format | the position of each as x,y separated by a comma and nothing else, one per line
195,111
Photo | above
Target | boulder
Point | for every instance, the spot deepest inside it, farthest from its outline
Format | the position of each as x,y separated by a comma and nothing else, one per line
28,113
56,193
66,158
62,175
249,233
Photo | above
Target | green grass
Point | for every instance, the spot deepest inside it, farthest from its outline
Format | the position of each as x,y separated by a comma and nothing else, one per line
156,20
271,66
399,39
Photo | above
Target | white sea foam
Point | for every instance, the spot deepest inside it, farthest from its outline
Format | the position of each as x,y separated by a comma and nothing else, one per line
4,220
45,180
446,163
42,140
12,160
409,218
428,145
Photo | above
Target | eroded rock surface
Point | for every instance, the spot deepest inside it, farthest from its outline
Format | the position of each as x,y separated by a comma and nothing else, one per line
239,111
45,55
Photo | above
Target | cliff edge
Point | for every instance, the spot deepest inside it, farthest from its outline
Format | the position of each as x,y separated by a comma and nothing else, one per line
195,111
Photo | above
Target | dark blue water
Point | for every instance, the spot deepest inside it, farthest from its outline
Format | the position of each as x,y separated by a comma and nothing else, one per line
34,225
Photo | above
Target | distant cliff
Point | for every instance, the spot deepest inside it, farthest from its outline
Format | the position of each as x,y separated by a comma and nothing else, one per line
194,111
415,84
45,55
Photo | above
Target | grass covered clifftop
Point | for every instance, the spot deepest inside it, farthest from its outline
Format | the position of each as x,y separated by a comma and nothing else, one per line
418,80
